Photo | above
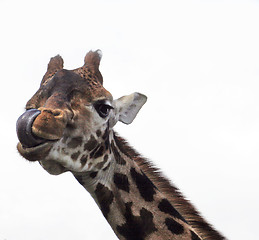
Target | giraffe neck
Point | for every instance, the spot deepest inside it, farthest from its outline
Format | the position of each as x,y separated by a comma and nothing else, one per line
131,202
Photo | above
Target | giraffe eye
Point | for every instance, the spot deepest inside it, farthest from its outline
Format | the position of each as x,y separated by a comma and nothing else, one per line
103,109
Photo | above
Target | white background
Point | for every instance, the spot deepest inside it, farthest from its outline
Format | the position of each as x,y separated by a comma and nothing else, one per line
198,63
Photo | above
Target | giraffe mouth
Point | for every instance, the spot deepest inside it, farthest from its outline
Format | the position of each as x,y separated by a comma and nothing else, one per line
24,129
37,153
31,146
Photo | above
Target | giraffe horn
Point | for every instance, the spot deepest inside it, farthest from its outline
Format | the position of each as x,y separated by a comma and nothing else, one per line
55,64
92,62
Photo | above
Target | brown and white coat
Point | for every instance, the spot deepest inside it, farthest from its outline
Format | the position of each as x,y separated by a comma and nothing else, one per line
68,126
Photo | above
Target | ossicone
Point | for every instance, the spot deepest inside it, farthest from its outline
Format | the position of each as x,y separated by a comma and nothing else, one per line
92,62
55,64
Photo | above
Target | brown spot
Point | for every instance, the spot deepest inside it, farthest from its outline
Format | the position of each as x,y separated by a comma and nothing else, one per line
137,227
121,181
145,186
91,144
98,133
166,207
83,160
106,138
105,157
93,174
75,155
75,142
104,197
173,226
99,152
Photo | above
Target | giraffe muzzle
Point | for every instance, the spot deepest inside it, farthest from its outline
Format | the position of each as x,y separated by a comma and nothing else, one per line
24,129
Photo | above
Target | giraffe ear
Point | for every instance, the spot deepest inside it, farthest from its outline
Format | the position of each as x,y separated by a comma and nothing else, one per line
127,107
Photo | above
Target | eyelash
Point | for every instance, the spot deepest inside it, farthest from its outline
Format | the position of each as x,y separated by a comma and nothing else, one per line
103,109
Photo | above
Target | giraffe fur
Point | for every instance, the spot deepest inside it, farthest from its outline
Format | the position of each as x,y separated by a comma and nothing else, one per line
70,128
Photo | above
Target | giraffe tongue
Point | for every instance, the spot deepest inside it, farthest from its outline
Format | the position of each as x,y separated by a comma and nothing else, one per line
24,129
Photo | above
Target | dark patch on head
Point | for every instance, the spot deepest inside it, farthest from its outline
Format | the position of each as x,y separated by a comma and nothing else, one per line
144,185
121,181
83,160
166,207
91,144
75,156
109,164
98,133
173,226
117,155
104,197
75,142
195,236
136,227
93,174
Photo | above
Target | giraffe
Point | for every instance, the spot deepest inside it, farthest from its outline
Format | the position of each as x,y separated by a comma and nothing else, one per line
68,126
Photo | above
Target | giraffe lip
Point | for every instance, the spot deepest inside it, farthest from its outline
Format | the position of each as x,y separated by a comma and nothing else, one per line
24,129
36,153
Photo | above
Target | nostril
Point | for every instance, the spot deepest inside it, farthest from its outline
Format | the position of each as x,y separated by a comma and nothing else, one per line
55,113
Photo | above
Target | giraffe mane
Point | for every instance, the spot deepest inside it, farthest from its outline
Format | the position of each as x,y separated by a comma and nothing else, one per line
173,194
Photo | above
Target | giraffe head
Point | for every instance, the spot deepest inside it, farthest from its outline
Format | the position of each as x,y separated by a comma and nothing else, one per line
67,122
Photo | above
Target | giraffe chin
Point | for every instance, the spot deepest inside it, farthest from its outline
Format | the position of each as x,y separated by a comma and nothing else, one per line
37,153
